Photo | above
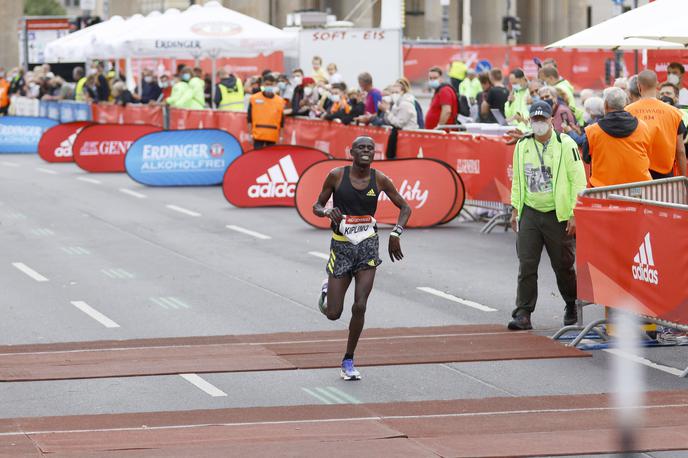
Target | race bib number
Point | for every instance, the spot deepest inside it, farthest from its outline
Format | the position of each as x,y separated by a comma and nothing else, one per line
357,228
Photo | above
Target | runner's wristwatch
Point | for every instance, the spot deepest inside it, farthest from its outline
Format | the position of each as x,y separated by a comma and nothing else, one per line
397,231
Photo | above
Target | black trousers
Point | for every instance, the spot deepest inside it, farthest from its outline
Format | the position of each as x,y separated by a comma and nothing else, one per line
259,144
455,82
537,229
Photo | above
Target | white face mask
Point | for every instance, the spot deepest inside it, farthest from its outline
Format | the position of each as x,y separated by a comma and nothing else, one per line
587,117
92,71
395,98
307,91
516,87
335,97
148,79
540,127
297,80
673,79
387,99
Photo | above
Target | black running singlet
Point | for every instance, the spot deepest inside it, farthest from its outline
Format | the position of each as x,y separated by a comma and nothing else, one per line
353,202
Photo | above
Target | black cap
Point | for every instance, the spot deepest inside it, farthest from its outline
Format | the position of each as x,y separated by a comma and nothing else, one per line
541,109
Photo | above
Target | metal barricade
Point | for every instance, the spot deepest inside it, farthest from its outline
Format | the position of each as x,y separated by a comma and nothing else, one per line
658,196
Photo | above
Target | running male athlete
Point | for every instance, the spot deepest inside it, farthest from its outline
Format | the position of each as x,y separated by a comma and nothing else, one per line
355,243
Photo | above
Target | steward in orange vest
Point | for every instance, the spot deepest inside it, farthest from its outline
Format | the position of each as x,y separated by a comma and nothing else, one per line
266,115
618,146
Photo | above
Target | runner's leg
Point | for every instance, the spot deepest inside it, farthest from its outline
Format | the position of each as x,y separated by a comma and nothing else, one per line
336,291
364,284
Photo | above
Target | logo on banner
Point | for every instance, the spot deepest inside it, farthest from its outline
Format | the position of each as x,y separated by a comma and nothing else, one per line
412,194
468,166
189,156
105,148
279,180
217,150
216,29
644,263
65,148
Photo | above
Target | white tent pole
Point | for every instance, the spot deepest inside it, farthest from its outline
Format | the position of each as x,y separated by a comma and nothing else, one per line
140,77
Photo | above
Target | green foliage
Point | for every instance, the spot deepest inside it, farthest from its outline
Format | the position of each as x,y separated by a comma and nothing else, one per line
43,8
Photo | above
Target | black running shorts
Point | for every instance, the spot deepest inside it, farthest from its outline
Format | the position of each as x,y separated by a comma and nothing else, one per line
347,258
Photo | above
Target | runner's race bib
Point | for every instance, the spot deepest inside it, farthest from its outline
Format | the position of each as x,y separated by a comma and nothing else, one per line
357,228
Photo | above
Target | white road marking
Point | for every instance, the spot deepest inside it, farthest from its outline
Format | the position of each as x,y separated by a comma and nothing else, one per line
204,385
376,418
347,397
9,164
645,362
458,300
95,314
16,215
42,231
320,255
169,302
75,250
117,273
322,399
182,210
88,180
29,271
132,193
255,234
48,171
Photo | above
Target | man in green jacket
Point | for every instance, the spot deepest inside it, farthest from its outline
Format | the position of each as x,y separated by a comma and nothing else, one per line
548,175
470,86
182,95
516,107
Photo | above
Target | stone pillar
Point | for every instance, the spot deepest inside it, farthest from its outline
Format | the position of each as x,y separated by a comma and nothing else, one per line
487,21
553,20
124,8
577,17
12,11
529,11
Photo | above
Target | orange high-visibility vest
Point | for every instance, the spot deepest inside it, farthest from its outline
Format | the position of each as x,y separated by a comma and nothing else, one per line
619,160
266,117
663,121
4,93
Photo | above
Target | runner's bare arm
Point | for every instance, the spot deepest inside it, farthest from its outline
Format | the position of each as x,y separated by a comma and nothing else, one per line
388,187
328,189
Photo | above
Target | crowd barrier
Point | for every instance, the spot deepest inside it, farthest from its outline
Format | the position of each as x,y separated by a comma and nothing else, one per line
630,250
65,110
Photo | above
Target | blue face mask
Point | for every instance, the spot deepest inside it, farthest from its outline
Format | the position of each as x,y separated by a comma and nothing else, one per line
434,84
282,85
536,98
269,89
186,76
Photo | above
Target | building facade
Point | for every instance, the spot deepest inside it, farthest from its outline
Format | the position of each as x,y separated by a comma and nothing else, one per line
542,21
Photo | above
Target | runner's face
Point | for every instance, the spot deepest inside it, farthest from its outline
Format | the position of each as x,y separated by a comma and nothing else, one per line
363,152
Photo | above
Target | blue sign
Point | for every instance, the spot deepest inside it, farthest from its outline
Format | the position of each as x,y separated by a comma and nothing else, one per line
182,157
483,65
21,134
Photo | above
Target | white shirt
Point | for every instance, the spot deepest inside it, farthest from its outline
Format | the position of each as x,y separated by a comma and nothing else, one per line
683,96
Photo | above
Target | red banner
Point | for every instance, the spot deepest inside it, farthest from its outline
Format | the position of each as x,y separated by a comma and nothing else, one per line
56,143
102,147
235,123
143,114
268,177
107,114
583,68
626,257
181,119
484,163
429,186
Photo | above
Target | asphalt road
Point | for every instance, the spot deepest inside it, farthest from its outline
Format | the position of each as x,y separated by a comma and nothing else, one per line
161,262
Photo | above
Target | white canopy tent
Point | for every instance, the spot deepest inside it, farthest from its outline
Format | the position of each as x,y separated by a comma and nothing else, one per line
75,46
665,20
614,33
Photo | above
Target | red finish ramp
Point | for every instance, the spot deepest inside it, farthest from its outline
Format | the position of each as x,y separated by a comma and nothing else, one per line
283,351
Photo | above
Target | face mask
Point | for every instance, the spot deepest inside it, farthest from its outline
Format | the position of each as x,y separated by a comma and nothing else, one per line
434,84
321,90
186,77
269,89
536,98
335,97
92,71
549,102
255,90
297,80
282,85
148,79
395,98
516,87
666,99
163,84
587,117
387,99
539,127
673,78
307,91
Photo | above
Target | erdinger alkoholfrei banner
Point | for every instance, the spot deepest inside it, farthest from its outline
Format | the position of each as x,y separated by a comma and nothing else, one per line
182,157
433,190
268,177
643,267
21,134
56,143
102,147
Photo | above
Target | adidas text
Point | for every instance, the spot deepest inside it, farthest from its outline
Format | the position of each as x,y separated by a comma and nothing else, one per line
646,274
271,190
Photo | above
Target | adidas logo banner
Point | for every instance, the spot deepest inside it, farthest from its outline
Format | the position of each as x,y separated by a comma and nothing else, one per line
644,263
269,176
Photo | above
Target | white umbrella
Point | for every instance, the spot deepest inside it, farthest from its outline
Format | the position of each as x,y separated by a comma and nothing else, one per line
75,46
208,30
613,33
666,20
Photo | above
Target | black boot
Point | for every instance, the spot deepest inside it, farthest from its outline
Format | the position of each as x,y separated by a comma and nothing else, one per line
520,323
570,314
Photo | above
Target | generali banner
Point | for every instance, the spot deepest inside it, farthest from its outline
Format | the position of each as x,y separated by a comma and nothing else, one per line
430,187
182,157
484,163
268,177
56,143
102,147
642,267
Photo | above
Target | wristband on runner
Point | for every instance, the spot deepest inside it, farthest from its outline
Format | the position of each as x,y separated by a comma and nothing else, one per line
397,231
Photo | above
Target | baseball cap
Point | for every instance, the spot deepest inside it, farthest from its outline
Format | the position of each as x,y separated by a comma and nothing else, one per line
540,109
